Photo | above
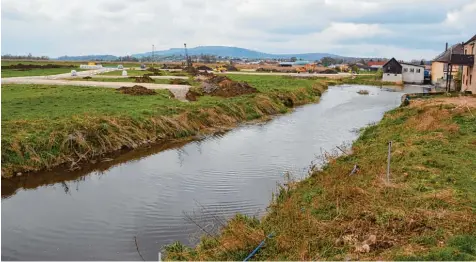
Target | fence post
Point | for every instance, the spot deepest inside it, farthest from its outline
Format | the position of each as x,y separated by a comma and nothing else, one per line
388,160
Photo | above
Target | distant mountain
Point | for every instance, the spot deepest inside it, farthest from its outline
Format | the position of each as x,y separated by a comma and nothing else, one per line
88,58
235,52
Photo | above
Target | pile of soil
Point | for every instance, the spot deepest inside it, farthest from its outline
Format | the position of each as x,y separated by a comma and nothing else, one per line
328,71
266,70
204,68
222,86
22,67
155,71
231,68
165,66
136,90
177,81
143,79
225,87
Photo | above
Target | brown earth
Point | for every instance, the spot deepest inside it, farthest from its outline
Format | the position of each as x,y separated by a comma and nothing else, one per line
177,81
144,79
225,87
136,90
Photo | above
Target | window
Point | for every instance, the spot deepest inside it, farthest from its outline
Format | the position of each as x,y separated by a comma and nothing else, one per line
412,70
405,70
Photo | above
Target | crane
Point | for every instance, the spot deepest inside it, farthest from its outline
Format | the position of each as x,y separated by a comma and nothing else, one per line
187,58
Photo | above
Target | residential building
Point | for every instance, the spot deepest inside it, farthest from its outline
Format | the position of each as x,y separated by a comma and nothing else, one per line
400,72
440,69
413,74
392,71
469,71
376,65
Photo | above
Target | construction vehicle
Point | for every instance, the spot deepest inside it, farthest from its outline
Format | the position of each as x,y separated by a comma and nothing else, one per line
220,69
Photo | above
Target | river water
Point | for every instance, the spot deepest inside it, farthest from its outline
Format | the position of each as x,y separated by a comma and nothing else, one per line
161,194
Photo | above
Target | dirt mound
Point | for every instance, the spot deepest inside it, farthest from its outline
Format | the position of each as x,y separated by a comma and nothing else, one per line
328,71
155,71
231,68
22,67
144,79
192,95
269,70
136,90
225,87
205,68
218,86
177,81
165,66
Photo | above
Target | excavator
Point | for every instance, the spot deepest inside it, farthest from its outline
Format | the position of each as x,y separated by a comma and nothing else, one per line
220,69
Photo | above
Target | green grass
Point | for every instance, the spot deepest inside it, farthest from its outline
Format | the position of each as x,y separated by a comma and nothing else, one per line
156,81
427,212
37,72
142,72
44,126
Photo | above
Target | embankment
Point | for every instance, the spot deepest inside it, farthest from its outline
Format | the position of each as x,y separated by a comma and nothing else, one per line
59,130
427,211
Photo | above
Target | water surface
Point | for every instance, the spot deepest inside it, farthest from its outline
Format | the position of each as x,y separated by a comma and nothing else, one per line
95,215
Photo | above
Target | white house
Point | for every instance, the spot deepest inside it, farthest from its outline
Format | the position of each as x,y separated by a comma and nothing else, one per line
413,74
398,72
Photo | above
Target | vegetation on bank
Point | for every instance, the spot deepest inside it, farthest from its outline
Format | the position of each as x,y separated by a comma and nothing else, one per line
426,212
45,126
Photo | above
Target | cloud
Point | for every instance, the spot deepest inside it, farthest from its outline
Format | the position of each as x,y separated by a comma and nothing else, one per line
404,28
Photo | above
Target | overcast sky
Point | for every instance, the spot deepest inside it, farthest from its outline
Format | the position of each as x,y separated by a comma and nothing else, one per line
404,29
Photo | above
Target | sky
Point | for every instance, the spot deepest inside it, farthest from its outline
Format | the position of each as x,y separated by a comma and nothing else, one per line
405,29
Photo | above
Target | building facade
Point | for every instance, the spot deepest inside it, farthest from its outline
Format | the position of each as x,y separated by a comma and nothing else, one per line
392,72
399,72
469,72
413,74
440,70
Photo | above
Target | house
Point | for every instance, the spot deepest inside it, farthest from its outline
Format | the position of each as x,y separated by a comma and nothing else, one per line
392,71
375,65
400,72
440,69
469,71
457,60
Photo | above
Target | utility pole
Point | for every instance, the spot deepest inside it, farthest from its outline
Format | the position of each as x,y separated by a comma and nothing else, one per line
153,55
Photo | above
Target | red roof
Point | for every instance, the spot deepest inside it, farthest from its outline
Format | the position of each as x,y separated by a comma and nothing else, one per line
374,63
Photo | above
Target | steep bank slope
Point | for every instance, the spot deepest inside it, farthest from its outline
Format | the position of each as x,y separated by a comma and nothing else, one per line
426,212
46,126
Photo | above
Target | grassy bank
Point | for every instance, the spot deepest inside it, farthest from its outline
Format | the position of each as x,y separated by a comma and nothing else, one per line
426,212
45,126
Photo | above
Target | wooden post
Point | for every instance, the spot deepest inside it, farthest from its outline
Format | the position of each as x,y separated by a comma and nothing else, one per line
388,160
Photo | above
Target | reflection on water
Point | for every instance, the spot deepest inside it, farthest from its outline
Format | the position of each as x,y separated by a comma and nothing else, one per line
95,214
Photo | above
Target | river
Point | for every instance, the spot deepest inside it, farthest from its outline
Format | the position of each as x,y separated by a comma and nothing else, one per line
95,214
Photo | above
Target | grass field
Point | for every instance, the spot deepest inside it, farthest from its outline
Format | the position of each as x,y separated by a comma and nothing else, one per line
37,72
426,212
130,80
44,126
142,72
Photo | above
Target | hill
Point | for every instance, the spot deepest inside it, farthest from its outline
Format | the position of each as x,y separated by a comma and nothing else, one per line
236,52
88,58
